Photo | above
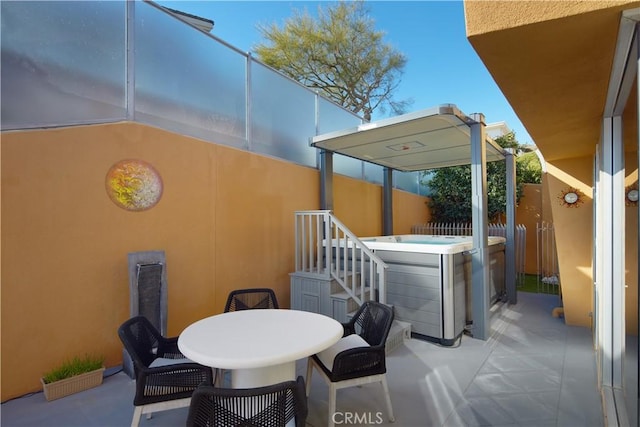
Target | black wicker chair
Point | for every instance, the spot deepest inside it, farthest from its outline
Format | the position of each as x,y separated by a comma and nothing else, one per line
269,406
165,379
248,299
359,357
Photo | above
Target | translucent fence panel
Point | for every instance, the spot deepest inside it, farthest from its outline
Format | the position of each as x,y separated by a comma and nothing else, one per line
373,173
63,63
407,181
282,116
348,166
186,81
333,117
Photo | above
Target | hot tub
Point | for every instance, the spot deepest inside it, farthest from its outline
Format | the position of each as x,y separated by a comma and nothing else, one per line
429,281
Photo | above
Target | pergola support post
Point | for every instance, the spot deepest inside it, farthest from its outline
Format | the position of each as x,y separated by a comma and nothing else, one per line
510,250
387,203
480,252
326,180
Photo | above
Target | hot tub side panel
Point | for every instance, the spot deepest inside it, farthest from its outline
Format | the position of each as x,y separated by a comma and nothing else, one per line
454,291
416,294
433,291
497,286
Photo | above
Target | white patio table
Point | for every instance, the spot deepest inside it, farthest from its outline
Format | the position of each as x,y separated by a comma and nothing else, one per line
260,346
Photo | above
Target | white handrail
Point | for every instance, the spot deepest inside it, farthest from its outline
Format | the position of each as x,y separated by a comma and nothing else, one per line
326,247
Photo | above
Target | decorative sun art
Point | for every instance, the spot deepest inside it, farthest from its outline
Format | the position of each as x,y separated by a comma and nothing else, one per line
134,185
571,197
631,195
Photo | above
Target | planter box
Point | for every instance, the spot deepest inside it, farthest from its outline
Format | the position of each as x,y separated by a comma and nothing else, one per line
71,385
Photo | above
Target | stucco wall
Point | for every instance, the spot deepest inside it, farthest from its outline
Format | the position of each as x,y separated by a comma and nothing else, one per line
574,228
573,231
487,16
225,221
529,214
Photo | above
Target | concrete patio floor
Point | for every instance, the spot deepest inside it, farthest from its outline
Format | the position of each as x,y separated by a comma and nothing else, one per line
533,371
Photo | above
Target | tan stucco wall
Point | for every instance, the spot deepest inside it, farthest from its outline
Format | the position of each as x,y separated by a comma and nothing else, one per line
408,208
486,16
529,214
225,221
552,61
574,228
573,231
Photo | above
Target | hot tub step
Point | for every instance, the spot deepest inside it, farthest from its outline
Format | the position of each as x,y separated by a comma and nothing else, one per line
342,306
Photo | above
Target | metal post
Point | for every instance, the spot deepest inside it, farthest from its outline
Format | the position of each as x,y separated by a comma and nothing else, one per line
387,208
613,241
248,105
510,252
479,258
326,180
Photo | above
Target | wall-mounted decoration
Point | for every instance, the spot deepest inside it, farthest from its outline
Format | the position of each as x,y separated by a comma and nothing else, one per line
571,197
631,195
134,185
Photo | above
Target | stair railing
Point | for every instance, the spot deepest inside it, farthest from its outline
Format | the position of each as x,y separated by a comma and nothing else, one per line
325,247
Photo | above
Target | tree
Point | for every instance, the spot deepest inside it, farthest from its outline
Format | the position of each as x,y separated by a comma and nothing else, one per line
340,54
529,168
451,187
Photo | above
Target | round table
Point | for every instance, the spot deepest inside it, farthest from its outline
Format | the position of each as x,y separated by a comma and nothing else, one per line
260,346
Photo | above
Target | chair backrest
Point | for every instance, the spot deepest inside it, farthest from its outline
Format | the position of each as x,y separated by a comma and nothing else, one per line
249,299
373,321
268,406
141,340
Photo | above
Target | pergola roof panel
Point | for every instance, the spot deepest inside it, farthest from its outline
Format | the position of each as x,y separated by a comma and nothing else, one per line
428,139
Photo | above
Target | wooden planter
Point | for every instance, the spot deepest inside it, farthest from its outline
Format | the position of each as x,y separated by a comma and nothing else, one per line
71,385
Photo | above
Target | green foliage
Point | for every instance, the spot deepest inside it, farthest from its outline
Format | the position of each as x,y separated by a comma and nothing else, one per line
529,168
533,283
75,366
340,54
451,187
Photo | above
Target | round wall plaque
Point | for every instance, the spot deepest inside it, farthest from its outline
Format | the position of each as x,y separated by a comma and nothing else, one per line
134,185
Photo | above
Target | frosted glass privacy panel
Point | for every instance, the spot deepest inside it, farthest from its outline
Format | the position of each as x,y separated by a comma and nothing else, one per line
63,63
332,117
373,173
348,166
187,81
282,116
407,181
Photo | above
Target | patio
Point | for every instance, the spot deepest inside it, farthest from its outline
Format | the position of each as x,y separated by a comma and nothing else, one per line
533,371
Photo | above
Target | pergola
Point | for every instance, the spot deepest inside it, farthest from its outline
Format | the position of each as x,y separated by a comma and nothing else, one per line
434,138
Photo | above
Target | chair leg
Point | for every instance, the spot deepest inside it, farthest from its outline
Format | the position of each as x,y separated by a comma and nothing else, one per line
137,413
309,372
332,404
387,397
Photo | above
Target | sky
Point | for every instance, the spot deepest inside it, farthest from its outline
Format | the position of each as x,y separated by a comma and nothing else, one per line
441,68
